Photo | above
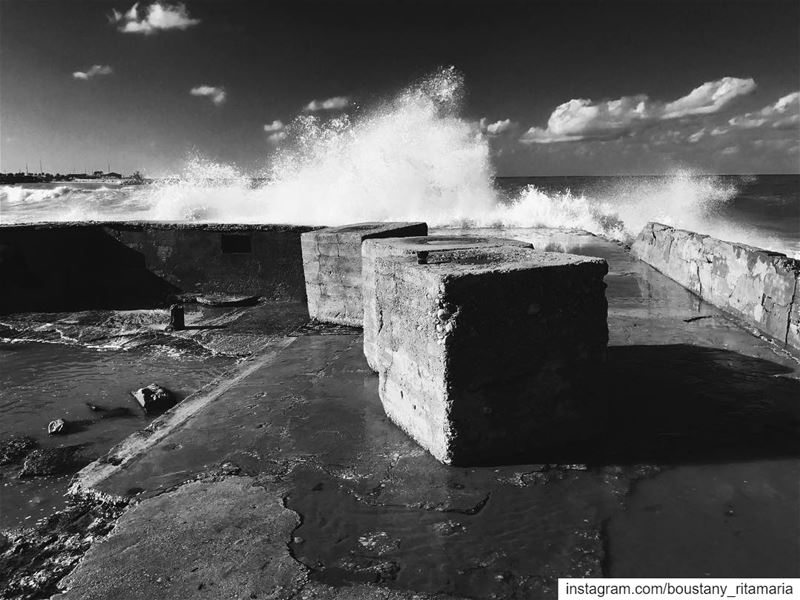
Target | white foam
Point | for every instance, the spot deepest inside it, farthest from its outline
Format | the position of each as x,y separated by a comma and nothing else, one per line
412,157
19,194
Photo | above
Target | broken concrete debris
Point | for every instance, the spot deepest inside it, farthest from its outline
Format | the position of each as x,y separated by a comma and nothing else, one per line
215,299
332,267
176,318
154,398
57,427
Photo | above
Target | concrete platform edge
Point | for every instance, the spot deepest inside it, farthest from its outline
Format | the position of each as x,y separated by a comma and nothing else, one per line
87,480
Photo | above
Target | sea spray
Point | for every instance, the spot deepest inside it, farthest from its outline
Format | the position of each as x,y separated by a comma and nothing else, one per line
411,157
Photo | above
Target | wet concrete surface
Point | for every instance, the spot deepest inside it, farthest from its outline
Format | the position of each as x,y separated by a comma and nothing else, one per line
695,476
52,365
41,382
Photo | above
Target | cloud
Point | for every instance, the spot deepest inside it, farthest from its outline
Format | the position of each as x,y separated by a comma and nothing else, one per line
783,114
156,17
275,126
697,136
335,103
277,137
93,71
582,119
216,94
709,98
276,131
498,127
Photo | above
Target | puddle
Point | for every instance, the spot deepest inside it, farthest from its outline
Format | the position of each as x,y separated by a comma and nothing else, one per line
41,382
515,541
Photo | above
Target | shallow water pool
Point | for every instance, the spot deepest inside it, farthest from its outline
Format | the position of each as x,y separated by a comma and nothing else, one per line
40,382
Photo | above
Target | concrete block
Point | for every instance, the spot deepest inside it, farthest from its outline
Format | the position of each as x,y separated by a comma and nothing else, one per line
371,250
485,355
793,335
755,285
332,267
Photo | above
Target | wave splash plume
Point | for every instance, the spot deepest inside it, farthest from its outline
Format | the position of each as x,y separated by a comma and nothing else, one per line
412,157
620,210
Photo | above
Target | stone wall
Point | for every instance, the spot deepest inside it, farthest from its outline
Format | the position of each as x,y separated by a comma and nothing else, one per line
76,266
758,286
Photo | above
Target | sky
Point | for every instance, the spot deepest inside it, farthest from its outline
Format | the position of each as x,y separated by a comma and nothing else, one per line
556,88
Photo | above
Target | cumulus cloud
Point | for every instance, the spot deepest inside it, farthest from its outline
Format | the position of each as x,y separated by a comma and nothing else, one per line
783,114
583,119
276,130
335,103
93,71
498,127
217,95
709,98
154,18
273,127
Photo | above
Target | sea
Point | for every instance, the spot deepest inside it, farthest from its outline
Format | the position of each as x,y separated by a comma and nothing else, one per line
759,210
415,156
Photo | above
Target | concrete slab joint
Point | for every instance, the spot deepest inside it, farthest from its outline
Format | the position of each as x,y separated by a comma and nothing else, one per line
755,285
483,353
332,267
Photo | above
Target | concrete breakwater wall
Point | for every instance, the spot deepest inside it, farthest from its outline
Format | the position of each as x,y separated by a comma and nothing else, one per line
74,266
758,286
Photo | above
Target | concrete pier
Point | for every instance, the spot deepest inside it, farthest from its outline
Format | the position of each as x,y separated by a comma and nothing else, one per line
482,354
332,267
373,249
756,285
697,476
286,480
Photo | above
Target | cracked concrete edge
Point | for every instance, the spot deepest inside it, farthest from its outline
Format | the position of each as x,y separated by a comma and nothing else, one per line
85,483
286,577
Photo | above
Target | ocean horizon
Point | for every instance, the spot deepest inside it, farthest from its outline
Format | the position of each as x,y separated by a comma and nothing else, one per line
758,210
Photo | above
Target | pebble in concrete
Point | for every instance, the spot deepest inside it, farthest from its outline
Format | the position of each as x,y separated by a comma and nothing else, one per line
332,267
373,249
484,354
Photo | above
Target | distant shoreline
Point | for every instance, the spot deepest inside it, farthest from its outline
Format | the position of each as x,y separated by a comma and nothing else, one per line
13,178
